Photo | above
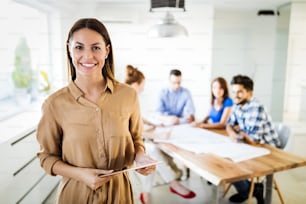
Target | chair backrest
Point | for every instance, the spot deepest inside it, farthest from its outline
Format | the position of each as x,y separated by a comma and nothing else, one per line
284,133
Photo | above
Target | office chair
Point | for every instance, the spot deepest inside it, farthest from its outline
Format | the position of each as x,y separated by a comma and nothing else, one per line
284,133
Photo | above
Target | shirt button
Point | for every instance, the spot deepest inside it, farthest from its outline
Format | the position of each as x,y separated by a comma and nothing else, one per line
97,109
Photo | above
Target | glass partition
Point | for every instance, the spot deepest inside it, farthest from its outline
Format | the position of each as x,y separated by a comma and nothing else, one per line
280,65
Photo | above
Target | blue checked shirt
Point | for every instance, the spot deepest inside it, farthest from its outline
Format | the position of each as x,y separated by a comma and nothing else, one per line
255,121
178,103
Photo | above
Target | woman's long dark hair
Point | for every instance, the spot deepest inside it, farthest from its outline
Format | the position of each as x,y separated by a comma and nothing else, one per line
108,71
223,85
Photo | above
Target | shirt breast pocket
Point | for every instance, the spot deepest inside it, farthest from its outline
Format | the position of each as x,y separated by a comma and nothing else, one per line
118,123
120,144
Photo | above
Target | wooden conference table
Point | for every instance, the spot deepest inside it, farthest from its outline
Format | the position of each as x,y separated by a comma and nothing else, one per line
220,171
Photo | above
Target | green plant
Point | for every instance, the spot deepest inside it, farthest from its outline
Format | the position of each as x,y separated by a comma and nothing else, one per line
45,84
22,74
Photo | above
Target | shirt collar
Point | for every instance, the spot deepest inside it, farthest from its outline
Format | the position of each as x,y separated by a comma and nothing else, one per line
77,93
172,91
246,105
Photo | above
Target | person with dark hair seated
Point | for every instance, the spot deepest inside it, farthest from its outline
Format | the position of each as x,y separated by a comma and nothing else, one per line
221,106
250,122
175,104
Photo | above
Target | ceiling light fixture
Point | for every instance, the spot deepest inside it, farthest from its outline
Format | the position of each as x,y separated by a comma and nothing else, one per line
168,27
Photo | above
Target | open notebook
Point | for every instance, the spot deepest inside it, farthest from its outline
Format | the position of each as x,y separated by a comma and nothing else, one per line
131,169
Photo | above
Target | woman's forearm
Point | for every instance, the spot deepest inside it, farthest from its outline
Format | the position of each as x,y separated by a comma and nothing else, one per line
63,169
212,125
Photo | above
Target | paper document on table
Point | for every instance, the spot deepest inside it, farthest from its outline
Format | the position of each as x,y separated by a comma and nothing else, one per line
187,133
199,140
236,152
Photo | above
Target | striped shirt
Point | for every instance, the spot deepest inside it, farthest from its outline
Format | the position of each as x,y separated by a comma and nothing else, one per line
253,119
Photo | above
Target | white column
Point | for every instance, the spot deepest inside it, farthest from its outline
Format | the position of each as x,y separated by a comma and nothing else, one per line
296,63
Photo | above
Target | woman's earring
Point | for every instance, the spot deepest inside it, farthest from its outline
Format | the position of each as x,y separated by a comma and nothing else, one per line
106,57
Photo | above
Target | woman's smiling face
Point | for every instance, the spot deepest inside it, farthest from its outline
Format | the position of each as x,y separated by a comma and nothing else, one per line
217,90
88,52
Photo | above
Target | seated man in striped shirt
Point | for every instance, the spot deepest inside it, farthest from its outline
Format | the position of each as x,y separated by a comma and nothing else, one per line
250,122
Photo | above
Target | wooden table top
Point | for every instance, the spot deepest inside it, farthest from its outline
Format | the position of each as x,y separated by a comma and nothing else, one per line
220,170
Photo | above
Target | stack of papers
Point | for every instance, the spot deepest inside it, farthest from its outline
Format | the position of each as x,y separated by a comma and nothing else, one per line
199,140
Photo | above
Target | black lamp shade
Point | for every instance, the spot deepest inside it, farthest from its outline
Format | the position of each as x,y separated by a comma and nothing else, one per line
168,3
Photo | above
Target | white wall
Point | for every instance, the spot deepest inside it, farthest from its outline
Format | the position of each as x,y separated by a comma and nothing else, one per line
244,43
128,28
155,57
270,49
222,42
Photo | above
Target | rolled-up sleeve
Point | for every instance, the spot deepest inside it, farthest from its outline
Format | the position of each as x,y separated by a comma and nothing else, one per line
232,120
136,124
189,108
49,137
161,106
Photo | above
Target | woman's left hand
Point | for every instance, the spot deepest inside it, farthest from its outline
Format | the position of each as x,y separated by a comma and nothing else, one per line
143,160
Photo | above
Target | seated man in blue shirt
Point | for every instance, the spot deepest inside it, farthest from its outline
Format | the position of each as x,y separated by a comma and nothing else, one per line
175,106
250,122
175,103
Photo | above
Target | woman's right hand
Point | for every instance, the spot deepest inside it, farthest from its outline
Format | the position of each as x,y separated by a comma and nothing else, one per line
86,175
92,179
198,124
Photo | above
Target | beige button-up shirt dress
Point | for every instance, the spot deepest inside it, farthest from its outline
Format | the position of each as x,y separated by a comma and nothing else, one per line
81,133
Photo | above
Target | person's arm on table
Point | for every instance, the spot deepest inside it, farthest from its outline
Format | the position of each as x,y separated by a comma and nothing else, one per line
246,138
232,133
217,125
239,135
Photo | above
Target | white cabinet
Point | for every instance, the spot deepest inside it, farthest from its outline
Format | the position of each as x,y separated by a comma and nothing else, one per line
21,177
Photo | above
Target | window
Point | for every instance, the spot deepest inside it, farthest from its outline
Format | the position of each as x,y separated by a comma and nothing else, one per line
19,22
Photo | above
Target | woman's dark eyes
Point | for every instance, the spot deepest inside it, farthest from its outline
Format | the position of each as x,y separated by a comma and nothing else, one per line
95,48
78,47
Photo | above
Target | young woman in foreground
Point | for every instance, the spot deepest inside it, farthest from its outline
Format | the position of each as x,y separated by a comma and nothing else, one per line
93,125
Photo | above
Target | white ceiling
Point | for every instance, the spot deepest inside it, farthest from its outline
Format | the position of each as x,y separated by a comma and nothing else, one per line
218,3
243,4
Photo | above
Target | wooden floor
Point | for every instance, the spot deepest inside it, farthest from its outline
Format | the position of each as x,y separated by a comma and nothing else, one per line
292,183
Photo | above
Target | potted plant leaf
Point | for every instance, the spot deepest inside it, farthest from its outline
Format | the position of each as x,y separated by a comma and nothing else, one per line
22,75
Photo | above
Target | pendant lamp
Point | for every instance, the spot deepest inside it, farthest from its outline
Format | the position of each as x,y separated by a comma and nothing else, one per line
168,27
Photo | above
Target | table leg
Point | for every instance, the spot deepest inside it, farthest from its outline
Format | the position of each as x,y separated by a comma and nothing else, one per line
251,191
215,194
269,188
